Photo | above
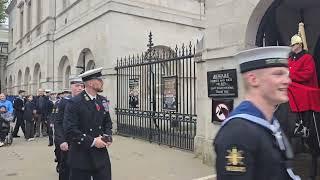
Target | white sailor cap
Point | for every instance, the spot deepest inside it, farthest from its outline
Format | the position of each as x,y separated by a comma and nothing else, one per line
54,92
75,80
263,57
66,90
47,90
91,74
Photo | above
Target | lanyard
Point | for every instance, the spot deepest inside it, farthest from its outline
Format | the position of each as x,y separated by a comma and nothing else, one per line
274,128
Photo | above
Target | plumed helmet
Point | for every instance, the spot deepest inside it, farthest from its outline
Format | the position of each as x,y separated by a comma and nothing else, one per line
296,39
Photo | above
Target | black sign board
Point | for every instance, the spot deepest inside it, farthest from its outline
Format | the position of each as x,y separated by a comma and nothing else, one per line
221,109
222,84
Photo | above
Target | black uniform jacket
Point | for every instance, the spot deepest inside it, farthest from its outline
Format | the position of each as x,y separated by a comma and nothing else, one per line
247,151
18,104
58,122
85,119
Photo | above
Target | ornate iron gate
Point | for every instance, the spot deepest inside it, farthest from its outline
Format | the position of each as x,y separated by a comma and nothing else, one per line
156,96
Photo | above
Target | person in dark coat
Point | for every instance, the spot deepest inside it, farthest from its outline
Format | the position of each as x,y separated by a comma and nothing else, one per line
251,144
87,126
61,144
28,117
42,105
51,112
18,105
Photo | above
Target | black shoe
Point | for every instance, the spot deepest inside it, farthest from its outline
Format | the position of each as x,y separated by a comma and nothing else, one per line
50,144
16,136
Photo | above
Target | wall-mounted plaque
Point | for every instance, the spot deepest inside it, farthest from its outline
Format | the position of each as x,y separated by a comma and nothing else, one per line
221,109
222,84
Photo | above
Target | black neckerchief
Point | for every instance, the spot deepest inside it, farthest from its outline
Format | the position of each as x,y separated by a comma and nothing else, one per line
296,56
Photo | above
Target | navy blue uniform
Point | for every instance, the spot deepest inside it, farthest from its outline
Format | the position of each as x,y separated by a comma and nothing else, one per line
58,129
59,138
85,119
248,151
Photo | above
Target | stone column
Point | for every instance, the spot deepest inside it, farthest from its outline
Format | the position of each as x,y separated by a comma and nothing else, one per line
231,27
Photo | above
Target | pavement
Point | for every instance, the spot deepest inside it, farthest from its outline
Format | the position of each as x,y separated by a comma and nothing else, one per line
131,159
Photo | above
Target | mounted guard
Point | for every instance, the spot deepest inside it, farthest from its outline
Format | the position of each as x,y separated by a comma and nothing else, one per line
300,115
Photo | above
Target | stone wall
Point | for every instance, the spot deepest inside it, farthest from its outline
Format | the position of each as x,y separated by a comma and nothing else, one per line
231,27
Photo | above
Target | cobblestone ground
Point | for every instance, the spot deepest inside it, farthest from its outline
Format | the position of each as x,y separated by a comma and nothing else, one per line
131,160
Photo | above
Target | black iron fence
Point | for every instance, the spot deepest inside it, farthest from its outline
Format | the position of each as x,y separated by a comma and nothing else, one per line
156,95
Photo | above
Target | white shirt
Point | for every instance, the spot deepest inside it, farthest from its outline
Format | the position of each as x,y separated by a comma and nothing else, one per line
91,97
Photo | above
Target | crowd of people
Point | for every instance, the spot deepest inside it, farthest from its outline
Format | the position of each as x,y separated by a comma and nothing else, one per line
33,114
77,122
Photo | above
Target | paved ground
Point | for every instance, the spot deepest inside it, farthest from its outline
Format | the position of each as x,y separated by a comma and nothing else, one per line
131,160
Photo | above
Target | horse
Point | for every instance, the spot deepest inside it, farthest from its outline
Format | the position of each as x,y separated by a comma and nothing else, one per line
302,130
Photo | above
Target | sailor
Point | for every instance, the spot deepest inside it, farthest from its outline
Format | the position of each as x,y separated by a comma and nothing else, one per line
61,144
87,126
250,144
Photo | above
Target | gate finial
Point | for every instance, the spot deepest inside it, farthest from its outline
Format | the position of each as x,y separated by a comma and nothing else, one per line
150,44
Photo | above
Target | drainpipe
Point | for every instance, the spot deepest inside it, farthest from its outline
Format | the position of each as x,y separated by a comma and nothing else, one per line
54,30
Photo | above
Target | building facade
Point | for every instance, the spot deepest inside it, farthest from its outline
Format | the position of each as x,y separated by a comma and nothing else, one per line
54,39
3,53
50,40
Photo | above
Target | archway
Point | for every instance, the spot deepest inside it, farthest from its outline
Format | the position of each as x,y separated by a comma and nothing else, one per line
275,24
90,65
85,61
36,77
19,79
280,22
27,79
6,85
10,86
66,77
63,78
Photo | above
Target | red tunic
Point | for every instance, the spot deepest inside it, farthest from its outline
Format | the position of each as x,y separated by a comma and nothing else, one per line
304,92
303,98
302,70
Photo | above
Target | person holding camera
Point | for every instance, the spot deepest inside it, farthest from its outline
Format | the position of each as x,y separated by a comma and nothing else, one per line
87,126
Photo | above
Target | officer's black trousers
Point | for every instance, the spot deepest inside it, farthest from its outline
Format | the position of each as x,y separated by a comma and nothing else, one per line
19,123
64,171
99,174
50,132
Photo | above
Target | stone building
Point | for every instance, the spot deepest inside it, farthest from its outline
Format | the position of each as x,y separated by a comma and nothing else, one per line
3,53
48,40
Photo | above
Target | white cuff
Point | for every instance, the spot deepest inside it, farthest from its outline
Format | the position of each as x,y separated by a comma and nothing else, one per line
94,141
